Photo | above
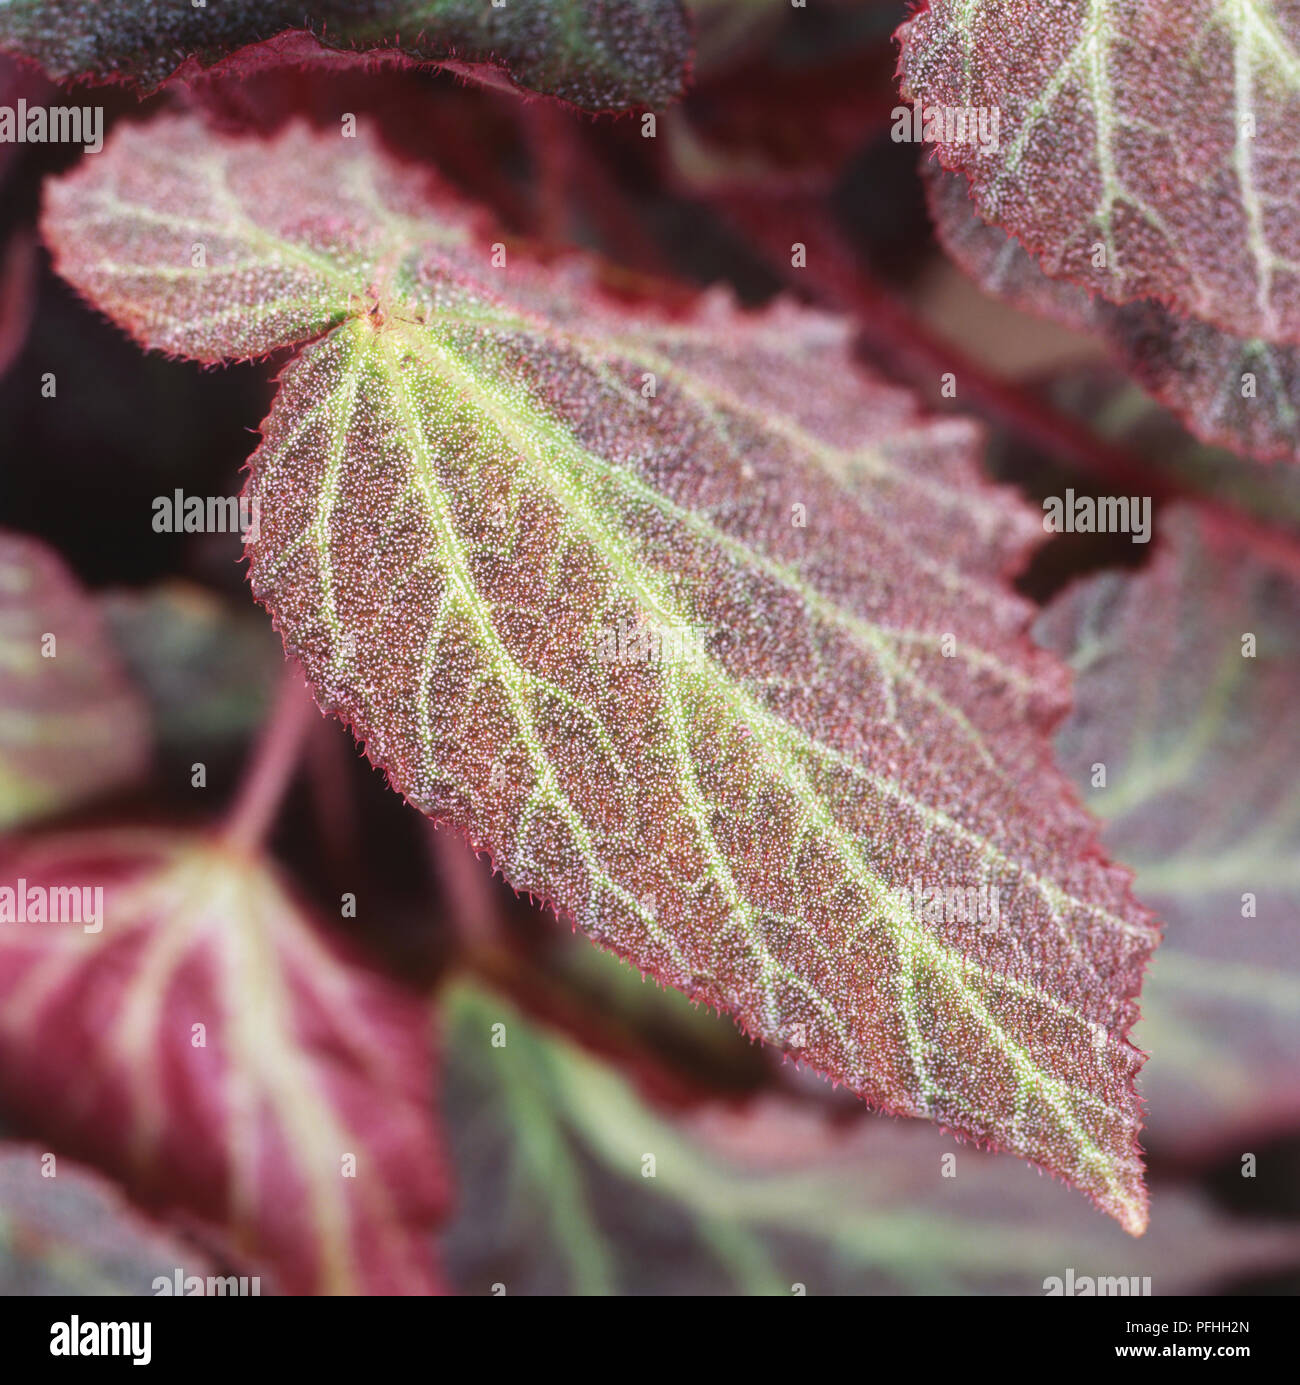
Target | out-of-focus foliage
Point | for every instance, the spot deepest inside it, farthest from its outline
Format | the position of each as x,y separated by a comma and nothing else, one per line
1186,675
611,55
71,726
206,666
571,1182
67,1230
198,1034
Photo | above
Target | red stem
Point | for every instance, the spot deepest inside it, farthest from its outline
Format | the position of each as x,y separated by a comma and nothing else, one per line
272,765
332,801
17,295
473,908
552,144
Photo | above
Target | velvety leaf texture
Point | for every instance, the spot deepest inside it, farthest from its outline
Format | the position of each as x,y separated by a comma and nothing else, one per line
66,1230
70,725
1200,738
302,1059
653,610
1160,131
1226,390
550,1144
600,55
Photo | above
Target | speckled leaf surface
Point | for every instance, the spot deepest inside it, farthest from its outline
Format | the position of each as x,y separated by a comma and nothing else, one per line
70,725
66,1230
553,1147
1200,743
605,54
1158,131
292,1123
677,659
1237,393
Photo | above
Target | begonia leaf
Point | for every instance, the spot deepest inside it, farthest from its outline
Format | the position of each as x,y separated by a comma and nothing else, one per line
1143,149
603,55
169,1012
705,635
1186,671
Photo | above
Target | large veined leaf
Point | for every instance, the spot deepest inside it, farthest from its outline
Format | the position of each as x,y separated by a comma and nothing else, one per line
1187,673
212,1049
1145,147
704,635
569,1181
70,724
599,55
1242,394
66,1230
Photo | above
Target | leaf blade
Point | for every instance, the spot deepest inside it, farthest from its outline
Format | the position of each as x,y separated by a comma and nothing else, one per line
305,1059
608,56
1237,393
70,1231
757,1198
1198,799
1158,132
677,661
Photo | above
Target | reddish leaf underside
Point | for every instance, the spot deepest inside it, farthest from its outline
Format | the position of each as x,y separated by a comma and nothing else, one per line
1240,394
1186,693
606,55
1145,148
702,633
293,1121
70,725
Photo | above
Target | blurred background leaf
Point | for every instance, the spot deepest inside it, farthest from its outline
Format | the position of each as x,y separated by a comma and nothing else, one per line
207,666
1199,734
551,1147
71,726
74,1233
